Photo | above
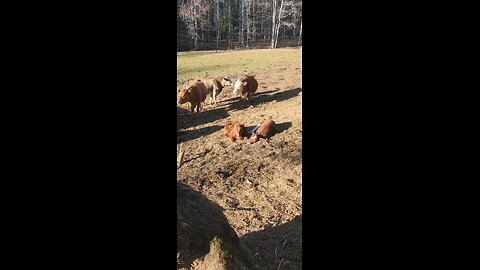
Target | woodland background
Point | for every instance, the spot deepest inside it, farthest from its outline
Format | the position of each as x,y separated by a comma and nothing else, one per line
236,24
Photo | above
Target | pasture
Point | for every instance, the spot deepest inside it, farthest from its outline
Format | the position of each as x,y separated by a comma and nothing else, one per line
258,185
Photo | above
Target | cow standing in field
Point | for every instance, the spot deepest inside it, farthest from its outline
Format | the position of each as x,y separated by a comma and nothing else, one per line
193,92
245,86
214,87
266,129
234,130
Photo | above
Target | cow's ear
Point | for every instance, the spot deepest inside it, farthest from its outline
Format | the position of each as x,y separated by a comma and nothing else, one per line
244,83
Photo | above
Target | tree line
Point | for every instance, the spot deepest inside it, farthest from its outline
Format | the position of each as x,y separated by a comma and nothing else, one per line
240,23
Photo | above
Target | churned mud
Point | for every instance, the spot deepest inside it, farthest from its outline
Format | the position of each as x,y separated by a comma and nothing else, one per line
259,186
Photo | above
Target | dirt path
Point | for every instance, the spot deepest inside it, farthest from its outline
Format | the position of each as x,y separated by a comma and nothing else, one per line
258,185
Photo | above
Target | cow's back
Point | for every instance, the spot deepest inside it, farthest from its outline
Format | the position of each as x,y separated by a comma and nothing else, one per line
267,128
202,90
211,84
208,85
198,91
252,83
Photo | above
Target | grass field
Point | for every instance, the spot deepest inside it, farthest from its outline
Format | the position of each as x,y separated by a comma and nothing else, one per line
195,65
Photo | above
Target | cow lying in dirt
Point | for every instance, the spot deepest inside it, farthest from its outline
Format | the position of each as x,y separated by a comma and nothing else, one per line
193,92
214,87
237,131
245,86
265,130
234,131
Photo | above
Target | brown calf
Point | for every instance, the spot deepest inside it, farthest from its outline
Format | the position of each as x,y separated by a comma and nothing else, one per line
234,131
193,92
267,129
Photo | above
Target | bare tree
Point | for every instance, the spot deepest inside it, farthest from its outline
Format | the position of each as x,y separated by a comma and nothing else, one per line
274,16
286,9
242,20
300,35
247,18
229,24
217,19
241,29
192,12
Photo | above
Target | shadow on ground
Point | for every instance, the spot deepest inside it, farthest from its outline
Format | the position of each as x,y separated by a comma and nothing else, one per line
262,97
184,120
277,245
183,136
280,96
237,98
281,127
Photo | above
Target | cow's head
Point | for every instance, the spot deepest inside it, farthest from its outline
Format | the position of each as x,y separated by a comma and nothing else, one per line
238,87
226,82
183,96
239,131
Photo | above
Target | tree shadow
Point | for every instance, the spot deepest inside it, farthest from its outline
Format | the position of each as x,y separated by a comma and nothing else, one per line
182,111
262,97
183,136
280,96
236,98
275,245
208,115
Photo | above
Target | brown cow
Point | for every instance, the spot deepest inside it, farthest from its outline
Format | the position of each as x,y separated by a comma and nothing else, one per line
246,86
266,130
193,92
234,131
215,86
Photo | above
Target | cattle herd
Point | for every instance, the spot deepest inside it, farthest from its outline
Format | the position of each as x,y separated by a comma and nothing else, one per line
195,92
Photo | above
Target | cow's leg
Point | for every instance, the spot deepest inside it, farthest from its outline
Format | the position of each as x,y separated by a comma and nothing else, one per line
194,114
192,108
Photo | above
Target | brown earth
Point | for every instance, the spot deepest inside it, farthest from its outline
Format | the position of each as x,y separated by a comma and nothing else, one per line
259,186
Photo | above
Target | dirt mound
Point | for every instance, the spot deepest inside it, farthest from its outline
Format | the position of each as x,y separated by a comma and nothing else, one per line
205,239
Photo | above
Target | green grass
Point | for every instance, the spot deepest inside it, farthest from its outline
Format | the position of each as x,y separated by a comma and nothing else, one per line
233,63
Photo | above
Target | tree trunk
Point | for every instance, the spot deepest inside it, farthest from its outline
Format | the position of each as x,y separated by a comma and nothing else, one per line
300,35
242,28
262,30
195,25
278,23
254,28
218,21
247,19
274,13
229,25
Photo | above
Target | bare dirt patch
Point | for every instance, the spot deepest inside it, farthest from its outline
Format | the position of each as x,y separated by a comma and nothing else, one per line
258,185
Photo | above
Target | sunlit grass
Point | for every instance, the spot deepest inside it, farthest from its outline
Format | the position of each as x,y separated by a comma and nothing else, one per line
233,63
